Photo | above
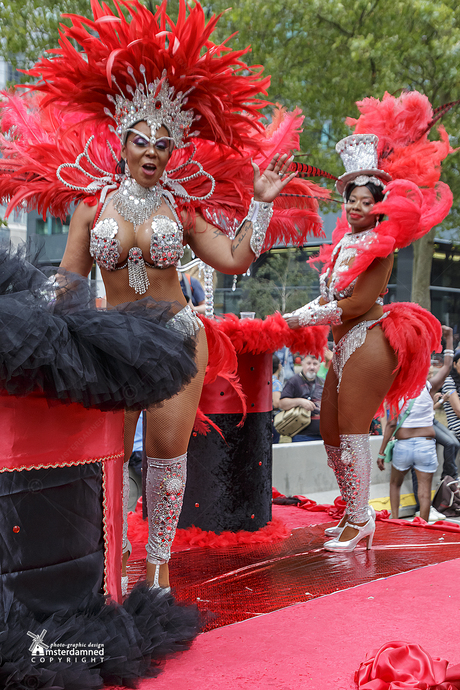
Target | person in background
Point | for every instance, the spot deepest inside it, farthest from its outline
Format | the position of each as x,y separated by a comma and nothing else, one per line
277,387
287,363
193,292
305,390
325,361
416,439
451,399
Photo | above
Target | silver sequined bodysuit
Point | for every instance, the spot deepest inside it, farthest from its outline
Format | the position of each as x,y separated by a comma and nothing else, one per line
345,251
166,243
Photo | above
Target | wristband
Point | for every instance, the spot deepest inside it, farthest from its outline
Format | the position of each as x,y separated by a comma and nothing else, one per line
381,456
260,214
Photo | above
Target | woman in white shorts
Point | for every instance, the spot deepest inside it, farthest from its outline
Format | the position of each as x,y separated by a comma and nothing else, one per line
416,438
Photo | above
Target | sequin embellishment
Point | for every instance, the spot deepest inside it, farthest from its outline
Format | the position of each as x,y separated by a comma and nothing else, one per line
103,246
348,344
166,246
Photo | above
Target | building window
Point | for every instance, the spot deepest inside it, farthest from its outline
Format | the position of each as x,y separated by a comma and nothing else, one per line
52,226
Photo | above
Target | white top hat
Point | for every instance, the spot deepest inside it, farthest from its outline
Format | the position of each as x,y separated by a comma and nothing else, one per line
359,155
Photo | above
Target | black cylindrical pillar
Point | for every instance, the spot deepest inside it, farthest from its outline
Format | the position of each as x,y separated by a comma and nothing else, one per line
229,479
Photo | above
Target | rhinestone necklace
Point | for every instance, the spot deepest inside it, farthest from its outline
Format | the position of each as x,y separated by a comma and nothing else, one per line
136,203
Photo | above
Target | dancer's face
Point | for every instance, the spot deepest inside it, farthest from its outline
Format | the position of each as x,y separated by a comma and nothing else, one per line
310,366
147,160
358,208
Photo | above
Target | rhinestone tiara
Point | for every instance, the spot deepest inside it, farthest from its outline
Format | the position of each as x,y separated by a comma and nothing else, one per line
155,103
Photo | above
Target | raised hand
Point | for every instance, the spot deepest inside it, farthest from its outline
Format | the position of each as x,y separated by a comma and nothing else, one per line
271,182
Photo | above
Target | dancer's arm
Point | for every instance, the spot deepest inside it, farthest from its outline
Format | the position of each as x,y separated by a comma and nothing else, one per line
438,379
369,285
389,430
77,258
235,256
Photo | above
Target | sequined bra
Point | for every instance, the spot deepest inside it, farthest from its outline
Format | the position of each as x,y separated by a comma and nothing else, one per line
166,244
344,252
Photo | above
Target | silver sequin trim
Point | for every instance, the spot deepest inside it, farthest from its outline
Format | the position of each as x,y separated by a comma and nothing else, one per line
186,321
103,246
166,242
260,215
348,344
136,203
316,314
357,462
165,486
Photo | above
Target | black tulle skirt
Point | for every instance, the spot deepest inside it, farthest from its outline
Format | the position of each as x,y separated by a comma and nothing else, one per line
53,339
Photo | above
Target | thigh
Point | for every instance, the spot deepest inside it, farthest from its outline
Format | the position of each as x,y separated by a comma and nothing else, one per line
366,379
169,426
397,476
424,481
328,419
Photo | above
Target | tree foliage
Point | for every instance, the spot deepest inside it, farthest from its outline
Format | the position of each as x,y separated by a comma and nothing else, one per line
283,283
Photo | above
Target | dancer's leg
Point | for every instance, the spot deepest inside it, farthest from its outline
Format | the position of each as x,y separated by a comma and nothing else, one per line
366,379
168,434
396,480
329,426
424,493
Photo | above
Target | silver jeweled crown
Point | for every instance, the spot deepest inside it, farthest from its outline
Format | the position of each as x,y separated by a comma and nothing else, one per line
359,155
155,103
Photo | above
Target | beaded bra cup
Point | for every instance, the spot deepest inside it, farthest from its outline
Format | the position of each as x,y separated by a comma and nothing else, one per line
166,244
344,252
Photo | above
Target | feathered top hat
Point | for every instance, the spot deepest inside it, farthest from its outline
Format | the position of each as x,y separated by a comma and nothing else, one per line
359,155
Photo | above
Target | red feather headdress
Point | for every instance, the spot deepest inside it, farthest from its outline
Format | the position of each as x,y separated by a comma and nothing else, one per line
146,61
416,200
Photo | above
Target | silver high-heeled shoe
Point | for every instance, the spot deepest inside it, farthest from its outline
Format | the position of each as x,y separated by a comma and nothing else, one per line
124,578
364,532
337,530
156,580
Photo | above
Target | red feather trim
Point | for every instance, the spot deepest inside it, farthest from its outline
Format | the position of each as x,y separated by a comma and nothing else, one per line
257,335
224,363
227,335
414,334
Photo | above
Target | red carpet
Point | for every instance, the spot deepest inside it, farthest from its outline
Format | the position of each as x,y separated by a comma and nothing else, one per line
318,643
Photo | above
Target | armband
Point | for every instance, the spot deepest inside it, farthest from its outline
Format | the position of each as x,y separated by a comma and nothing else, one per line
316,314
260,214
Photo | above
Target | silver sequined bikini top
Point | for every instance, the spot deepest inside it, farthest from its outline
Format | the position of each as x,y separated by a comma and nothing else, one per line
344,252
166,243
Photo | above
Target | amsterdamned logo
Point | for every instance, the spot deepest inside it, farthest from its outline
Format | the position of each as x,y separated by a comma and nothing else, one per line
63,652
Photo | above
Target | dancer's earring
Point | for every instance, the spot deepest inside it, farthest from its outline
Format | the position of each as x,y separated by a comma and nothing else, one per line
127,170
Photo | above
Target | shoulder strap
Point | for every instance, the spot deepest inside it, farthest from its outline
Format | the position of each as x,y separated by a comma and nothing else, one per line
404,416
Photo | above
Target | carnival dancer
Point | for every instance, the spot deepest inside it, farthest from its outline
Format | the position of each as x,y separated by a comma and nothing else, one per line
156,133
381,353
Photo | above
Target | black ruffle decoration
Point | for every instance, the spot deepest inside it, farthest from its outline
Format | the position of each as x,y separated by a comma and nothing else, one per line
55,340
135,639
